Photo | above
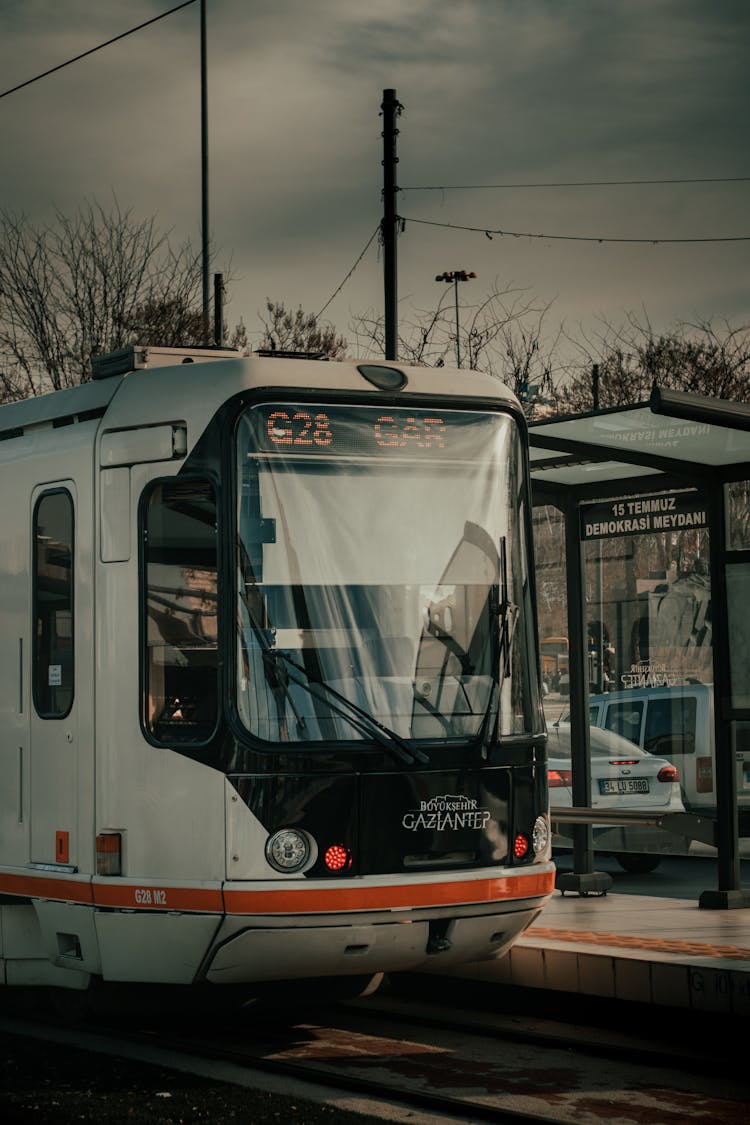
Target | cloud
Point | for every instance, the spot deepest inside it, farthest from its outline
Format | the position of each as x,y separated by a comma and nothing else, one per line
495,91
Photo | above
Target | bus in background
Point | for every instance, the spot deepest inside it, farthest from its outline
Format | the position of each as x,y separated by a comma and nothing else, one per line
554,651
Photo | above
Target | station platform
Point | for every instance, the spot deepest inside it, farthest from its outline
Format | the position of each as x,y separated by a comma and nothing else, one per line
638,948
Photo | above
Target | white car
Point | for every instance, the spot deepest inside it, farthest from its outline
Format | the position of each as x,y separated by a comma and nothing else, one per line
622,777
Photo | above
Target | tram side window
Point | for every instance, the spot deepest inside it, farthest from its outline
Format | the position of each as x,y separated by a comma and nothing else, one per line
52,678
181,653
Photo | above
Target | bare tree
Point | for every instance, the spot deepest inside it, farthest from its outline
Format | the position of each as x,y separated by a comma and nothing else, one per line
287,331
88,283
703,358
502,335
171,323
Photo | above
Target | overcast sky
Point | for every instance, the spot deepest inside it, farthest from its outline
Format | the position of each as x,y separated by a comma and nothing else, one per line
494,92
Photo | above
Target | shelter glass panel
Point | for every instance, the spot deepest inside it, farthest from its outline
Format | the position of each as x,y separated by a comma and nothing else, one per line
738,598
649,659
737,496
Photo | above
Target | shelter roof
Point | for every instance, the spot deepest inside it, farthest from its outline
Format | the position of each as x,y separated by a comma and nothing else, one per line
675,439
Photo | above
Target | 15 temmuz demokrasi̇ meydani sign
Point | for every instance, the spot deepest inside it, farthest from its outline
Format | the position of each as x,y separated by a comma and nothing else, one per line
641,515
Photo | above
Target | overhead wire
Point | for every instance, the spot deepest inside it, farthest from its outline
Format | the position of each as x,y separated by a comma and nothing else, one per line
576,183
349,274
92,50
490,231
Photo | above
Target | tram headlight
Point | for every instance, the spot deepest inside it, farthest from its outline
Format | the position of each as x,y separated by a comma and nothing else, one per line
288,850
540,835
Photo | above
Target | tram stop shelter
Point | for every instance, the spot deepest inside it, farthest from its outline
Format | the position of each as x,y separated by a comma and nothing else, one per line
674,442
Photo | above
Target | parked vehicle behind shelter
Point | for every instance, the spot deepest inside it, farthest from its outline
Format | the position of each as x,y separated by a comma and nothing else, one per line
676,723
623,777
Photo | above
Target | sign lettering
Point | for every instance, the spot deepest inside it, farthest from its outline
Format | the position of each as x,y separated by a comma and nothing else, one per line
150,896
448,813
640,515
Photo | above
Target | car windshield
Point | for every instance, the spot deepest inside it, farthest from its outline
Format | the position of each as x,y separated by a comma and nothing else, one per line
382,574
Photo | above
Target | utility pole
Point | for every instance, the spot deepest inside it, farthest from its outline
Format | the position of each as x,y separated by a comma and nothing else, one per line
595,386
204,175
391,108
219,310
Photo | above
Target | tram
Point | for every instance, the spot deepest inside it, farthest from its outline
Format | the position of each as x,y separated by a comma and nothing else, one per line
269,674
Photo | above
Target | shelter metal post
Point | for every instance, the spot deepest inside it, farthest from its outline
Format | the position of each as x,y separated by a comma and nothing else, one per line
583,877
729,894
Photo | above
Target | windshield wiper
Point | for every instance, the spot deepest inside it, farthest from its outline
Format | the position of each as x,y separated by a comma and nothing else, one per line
278,681
508,613
360,719
277,665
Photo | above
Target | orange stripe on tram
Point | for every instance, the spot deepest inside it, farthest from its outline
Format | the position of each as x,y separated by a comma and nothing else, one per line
48,887
147,897
280,900
322,900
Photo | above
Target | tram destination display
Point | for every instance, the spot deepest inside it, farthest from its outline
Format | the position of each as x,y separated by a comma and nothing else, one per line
296,429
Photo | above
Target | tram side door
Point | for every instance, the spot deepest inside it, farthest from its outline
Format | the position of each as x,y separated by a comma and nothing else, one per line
52,703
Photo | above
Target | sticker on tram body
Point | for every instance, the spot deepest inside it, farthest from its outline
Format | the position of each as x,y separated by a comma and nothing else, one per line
150,896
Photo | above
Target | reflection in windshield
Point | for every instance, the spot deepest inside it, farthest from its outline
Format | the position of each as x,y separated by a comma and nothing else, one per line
386,574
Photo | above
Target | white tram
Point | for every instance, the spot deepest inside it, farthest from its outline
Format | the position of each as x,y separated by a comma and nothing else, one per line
269,679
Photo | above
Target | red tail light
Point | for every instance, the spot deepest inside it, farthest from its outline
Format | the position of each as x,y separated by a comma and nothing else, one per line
337,858
520,847
623,761
557,778
668,773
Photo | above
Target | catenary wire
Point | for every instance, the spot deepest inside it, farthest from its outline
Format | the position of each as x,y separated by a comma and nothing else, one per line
92,50
577,183
351,271
490,231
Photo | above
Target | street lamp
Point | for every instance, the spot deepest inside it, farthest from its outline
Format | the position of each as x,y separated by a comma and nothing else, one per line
452,277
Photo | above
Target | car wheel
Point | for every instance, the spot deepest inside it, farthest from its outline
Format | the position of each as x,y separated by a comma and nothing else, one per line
638,863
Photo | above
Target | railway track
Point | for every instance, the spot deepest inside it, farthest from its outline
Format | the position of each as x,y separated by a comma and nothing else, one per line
430,1061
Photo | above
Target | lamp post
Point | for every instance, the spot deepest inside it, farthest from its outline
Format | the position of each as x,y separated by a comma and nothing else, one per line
452,277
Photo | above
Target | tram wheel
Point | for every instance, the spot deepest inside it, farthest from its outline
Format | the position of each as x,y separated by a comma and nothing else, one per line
638,863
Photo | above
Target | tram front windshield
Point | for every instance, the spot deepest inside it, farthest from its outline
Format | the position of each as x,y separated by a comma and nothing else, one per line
382,575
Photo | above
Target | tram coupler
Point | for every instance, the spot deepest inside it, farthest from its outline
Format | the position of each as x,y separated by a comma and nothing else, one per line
438,940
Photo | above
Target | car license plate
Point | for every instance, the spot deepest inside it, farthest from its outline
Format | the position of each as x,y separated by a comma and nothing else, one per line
624,785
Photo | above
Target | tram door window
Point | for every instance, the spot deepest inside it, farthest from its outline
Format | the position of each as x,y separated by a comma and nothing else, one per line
180,619
53,668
